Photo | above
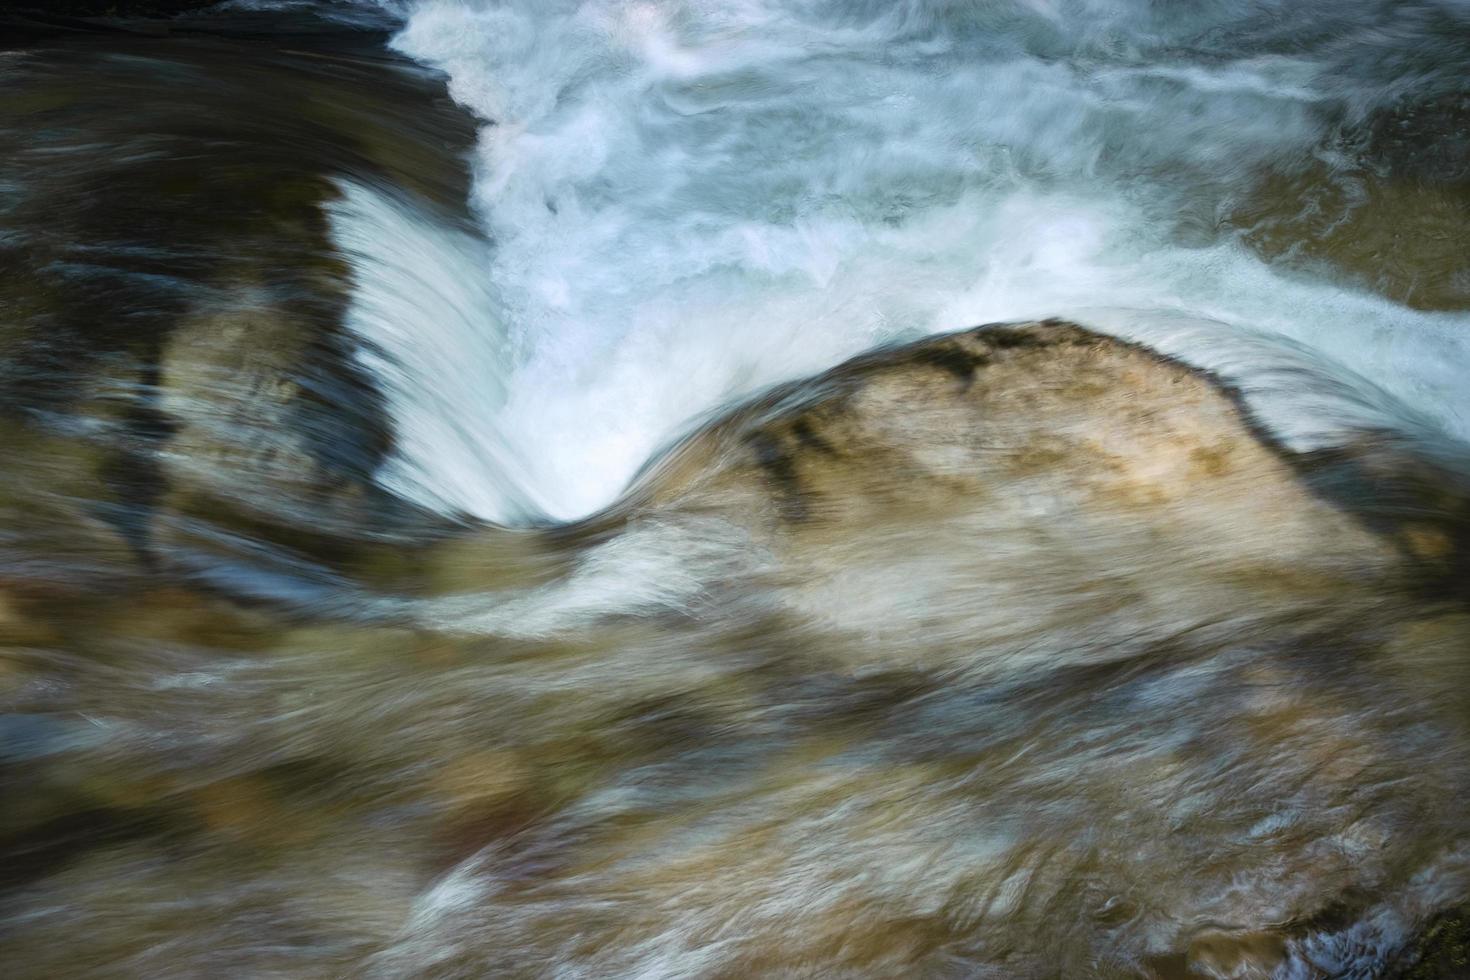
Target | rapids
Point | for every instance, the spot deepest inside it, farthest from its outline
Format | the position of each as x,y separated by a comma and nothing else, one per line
689,201
511,488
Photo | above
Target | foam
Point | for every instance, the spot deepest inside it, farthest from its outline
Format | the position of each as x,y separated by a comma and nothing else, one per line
691,201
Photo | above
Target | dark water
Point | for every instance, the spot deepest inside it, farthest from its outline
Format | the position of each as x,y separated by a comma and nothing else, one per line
337,641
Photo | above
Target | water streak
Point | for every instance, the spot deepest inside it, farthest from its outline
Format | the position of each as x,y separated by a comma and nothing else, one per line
688,202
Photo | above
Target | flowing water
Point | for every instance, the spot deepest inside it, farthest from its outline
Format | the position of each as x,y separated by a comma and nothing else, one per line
737,193
443,532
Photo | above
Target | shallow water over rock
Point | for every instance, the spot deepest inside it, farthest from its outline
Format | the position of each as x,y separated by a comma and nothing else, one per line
866,648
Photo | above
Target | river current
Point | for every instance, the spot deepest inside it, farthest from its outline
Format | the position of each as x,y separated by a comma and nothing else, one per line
690,201
494,488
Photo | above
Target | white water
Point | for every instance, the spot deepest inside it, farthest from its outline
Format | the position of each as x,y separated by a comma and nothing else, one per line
688,201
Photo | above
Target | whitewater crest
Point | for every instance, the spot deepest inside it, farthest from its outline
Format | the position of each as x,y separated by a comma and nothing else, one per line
683,204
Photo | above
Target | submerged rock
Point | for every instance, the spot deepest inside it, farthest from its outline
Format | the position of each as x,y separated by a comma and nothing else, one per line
1384,204
1021,651
173,298
1070,663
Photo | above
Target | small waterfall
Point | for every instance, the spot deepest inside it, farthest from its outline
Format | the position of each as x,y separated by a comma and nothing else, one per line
684,203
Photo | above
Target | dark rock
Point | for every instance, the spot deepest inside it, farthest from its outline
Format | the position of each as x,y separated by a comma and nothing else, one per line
106,8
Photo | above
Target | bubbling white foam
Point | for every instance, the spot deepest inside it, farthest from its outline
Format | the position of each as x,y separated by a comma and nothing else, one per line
688,201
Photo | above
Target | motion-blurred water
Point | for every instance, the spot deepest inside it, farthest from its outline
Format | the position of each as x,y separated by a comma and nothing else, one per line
442,533
688,201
